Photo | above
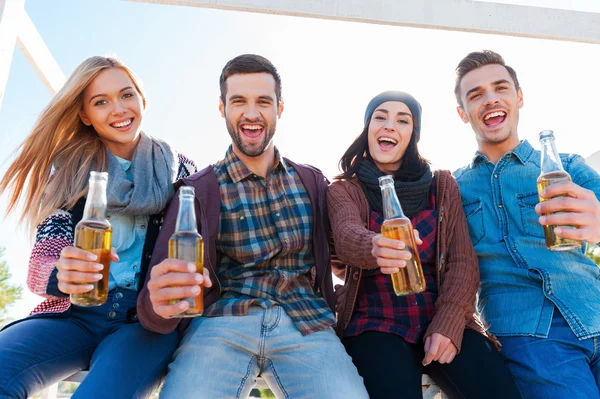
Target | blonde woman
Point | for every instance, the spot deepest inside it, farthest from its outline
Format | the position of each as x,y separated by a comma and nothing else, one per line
93,123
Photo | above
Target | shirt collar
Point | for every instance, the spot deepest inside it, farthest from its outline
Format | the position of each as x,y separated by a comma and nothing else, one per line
523,152
238,171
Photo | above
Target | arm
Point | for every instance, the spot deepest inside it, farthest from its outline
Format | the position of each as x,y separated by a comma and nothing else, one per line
53,234
460,278
352,240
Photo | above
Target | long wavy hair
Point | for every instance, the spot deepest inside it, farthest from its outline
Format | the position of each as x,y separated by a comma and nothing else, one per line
53,163
411,169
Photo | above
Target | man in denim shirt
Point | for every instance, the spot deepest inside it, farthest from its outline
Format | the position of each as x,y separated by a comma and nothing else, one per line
543,305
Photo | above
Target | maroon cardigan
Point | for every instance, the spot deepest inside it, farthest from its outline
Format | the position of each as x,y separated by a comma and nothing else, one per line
208,207
457,268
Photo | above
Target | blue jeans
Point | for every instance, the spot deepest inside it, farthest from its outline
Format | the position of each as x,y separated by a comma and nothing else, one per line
221,357
560,366
124,359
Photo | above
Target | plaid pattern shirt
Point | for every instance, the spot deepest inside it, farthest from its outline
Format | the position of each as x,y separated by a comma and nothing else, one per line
265,245
377,306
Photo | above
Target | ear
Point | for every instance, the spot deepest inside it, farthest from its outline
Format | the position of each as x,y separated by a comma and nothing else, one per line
221,107
462,114
280,108
520,97
84,118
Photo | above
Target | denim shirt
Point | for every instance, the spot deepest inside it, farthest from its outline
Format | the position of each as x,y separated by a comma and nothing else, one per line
521,280
129,235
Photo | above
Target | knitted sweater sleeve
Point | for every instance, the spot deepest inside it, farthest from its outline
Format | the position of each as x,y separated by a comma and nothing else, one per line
459,272
187,167
53,234
352,239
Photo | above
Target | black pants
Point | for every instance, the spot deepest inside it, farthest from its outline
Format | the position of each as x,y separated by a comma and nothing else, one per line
391,368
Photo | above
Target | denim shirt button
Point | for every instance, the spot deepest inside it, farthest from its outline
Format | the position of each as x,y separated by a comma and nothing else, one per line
112,314
495,176
500,206
115,305
549,292
119,295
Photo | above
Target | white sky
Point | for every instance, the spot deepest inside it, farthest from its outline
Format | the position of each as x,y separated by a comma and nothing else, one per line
330,70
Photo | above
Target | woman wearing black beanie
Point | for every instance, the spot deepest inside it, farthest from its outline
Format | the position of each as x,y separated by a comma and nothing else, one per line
393,339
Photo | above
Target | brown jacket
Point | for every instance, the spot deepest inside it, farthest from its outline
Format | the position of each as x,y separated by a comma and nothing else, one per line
457,268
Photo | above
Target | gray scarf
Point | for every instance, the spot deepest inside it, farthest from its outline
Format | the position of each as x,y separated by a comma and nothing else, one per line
153,168
412,194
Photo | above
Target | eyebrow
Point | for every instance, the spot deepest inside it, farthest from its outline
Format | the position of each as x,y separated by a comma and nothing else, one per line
104,95
239,96
399,113
496,83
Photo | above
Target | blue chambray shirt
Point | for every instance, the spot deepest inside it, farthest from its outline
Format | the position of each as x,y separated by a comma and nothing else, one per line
521,280
129,234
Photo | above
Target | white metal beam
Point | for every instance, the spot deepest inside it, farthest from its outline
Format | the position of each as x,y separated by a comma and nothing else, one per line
459,15
9,14
35,50
17,27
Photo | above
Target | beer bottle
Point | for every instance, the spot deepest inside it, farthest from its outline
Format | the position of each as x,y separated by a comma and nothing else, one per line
410,279
94,234
551,172
187,244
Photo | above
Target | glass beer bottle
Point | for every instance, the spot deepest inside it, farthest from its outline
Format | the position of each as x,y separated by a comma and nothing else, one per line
552,172
410,279
187,244
94,234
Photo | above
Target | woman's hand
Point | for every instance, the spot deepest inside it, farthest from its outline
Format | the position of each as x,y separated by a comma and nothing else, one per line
391,254
439,348
76,267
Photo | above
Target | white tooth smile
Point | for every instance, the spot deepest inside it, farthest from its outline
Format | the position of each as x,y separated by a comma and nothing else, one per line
251,127
387,140
493,115
122,124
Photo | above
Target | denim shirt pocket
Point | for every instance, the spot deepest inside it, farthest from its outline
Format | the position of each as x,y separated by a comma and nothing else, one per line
529,218
474,214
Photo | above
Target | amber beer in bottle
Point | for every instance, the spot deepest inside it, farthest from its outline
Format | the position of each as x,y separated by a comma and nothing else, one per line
552,172
187,244
410,279
94,234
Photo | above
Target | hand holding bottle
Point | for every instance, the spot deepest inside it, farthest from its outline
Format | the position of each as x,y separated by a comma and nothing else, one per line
170,281
76,267
391,254
577,206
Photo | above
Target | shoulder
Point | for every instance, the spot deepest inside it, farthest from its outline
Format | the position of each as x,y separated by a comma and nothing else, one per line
305,169
461,172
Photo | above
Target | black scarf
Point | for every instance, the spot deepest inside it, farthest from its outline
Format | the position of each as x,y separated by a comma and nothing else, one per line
412,194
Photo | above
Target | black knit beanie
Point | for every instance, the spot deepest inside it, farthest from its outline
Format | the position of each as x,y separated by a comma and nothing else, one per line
392,95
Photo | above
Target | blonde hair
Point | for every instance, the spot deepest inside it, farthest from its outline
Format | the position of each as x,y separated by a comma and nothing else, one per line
51,169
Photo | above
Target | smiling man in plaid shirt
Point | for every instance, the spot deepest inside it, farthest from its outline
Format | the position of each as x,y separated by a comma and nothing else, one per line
267,287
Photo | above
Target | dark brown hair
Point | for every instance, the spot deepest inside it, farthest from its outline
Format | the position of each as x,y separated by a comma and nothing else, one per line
249,63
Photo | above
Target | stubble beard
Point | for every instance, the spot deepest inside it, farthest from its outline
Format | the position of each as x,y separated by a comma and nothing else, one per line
250,150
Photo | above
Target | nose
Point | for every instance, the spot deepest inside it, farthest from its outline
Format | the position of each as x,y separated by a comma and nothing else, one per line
119,108
251,112
490,98
390,124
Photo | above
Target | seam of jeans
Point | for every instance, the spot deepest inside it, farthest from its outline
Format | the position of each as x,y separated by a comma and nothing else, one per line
286,395
49,360
596,344
245,378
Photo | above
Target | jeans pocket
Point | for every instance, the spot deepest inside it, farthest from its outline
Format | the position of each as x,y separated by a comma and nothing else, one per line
474,214
529,218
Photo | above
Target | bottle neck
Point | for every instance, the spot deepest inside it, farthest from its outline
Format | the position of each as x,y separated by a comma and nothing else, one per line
186,217
550,159
391,205
95,204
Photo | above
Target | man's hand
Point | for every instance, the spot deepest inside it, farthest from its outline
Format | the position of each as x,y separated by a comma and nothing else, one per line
390,253
439,348
174,279
76,267
581,209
